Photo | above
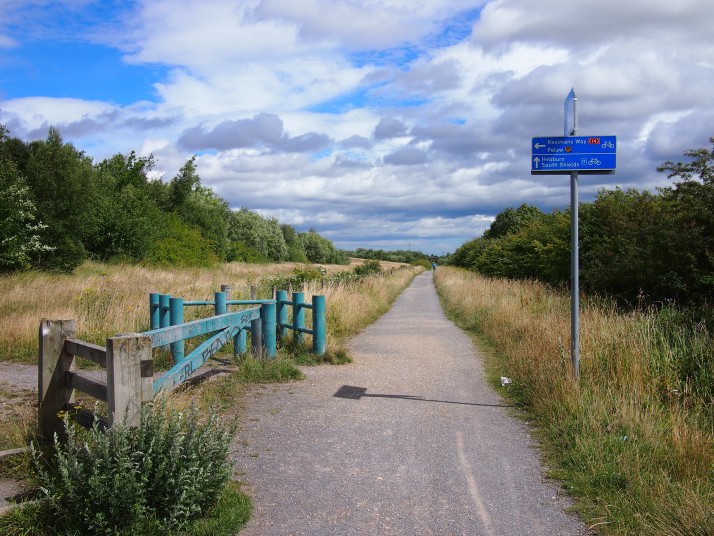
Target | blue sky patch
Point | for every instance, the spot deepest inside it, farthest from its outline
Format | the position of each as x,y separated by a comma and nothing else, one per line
78,70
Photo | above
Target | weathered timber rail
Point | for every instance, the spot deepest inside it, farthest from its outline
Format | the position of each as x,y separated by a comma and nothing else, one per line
128,358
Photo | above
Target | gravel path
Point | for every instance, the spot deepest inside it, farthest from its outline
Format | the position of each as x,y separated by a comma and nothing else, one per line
409,439
16,376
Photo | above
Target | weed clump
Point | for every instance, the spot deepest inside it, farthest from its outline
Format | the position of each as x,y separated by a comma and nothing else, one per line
152,479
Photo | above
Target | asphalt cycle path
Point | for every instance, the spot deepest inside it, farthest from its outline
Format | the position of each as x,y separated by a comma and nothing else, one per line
409,439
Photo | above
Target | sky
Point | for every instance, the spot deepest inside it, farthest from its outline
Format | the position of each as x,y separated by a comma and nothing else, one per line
385,124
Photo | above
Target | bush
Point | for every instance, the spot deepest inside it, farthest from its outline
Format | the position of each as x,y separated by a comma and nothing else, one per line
424,263
239,252
154,478
368,268
181,245
300,276
296,253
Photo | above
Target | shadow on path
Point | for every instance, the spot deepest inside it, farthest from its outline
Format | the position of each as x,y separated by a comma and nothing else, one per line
355,393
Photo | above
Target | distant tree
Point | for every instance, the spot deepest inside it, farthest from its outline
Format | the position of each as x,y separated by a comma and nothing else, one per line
183,184
511,221
205,211
399,255
296,248
321,250
254,231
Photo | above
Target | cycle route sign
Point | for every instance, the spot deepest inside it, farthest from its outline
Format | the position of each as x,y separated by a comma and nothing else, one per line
561,155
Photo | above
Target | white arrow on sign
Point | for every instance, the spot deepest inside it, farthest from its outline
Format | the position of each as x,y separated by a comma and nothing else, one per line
539,146
537,161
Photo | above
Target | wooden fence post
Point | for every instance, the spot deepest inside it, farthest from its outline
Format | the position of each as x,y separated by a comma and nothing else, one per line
267,317
240,342
319,343
227,290
154,310
53,363
281,315
176,318
256,337
125,387
219,303
298,317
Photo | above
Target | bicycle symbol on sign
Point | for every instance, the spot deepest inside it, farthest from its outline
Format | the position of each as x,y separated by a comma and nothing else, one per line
594,162
608,145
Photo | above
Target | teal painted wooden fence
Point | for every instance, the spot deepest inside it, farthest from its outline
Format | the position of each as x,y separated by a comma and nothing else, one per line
128,357
159,304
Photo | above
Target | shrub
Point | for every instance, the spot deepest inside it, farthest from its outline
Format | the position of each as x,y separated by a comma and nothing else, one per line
423,263
296,253
181,245
156,477
239,252
368,268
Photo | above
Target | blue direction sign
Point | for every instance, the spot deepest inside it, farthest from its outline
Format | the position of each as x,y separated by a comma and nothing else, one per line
564,154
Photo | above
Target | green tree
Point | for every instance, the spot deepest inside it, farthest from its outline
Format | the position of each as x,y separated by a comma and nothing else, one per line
321,250
254,231
205,211
60,179
296,249
183,184
621,257
128,218
690,237
19,227
511,221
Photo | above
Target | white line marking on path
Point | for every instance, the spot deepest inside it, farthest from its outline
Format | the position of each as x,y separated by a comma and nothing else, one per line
481,510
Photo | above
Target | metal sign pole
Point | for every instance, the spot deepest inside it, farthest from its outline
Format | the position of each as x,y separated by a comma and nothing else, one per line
571,155
574,245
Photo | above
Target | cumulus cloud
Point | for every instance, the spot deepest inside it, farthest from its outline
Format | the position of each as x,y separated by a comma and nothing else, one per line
354,142
584,24
407,156
263,130
363,25
389,127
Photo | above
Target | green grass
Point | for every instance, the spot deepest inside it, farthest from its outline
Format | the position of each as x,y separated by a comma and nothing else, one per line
262,370
302,354
225,518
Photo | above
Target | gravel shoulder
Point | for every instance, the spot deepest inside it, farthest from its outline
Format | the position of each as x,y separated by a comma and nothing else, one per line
409,439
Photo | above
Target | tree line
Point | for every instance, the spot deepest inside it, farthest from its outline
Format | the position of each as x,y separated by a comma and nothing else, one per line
638,247
399,255
59,208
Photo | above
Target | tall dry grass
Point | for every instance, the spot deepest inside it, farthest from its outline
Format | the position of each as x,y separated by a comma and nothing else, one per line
351,307
631,440
108,299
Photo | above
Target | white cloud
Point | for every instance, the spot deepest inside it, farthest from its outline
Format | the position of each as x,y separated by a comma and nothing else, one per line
378,122
368,25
